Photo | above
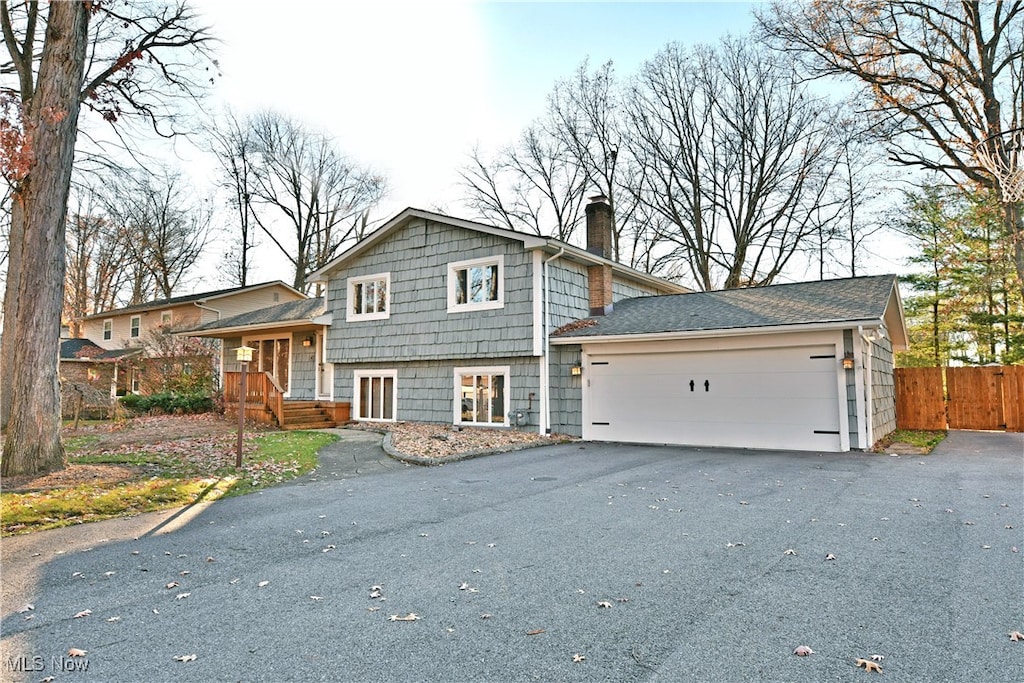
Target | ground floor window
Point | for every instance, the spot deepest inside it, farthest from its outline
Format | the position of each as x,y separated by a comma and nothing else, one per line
481,396
374,396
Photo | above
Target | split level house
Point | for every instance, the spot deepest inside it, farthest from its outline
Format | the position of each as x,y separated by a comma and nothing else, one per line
109,357
437,319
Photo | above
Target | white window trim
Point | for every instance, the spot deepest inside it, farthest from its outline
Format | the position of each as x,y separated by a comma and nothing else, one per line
350,315
505,370
132,327
356,398
454,307
108,332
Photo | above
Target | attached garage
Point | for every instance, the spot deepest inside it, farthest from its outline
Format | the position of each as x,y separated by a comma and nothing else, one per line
776,367
748,398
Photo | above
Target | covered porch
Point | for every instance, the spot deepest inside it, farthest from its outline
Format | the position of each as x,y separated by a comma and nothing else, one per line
288,381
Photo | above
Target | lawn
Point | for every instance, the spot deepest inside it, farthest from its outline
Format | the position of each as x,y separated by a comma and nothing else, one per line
151,464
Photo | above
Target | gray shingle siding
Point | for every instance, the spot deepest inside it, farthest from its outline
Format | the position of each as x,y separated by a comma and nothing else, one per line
303,373
566,392
419,326
567,287
425,389
883,388
627,289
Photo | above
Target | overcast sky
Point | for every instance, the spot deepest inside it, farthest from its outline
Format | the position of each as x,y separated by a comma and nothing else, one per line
409,87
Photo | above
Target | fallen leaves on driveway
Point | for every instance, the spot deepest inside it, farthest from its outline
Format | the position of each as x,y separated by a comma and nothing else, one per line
803,651
868,665
411,616
1016,636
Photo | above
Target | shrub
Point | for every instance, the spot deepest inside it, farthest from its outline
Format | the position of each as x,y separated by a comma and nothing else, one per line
170,403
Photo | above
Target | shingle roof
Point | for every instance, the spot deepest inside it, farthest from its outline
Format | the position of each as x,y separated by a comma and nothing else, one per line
177,300
803,303
303,310
85,349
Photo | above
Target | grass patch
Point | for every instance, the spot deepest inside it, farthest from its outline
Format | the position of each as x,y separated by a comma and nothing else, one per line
923,439
161,476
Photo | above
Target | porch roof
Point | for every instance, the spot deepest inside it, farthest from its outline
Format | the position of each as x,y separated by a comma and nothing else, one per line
289,315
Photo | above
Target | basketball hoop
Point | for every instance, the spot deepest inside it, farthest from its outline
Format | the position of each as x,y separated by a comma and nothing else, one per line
1000,155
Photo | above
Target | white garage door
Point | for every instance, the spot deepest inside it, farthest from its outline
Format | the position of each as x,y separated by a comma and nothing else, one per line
749,398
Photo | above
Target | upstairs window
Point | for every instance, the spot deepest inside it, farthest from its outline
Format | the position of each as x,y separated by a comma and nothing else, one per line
369,297
476,285
165,319
135,327
108,329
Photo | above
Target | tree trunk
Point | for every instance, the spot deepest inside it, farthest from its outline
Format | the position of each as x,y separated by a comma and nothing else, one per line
32,442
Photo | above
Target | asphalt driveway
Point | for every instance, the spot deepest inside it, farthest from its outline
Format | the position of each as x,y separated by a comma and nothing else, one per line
639,563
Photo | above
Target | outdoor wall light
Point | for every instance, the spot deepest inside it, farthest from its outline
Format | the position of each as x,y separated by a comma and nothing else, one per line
576,370
848,362
308,341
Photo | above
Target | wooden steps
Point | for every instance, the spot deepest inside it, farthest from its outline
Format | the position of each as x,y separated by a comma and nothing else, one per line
305,415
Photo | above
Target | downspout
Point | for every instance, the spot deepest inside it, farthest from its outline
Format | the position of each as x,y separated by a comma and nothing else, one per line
868,394
863,416
545,367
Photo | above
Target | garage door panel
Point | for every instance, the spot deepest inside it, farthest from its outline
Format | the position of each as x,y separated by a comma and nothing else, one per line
763,398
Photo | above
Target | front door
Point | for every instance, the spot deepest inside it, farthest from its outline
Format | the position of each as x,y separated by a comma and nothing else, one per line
325,374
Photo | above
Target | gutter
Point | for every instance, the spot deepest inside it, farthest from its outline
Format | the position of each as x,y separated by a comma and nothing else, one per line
726,332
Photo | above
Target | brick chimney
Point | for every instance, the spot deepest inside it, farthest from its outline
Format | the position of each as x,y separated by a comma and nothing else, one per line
599,243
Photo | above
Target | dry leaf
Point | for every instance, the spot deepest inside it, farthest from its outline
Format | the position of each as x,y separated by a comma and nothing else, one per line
577,658
83,613
75,652
372,609
535,632
185,658
1016,635
485,615
789,551
48,679
604,603
210,559
463,586
830,556
803,651
111,620
877,658
261,584
411,616
184,572
27,608
181,596
868,665
172,584
314,598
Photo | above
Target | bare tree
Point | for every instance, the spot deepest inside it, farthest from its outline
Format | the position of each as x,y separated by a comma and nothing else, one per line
533,186
235,148
737,157
133,72
944,78
303,182
575,148
163,226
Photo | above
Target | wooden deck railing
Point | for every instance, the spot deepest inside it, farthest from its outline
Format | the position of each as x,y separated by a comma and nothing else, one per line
262,392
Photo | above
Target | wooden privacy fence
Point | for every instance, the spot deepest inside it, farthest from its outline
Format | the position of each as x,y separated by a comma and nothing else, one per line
960,398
